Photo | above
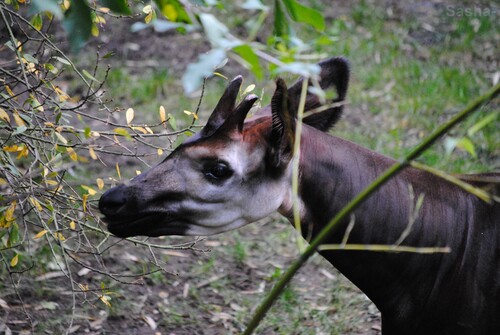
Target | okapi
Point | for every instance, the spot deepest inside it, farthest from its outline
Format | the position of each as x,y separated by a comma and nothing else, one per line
236,171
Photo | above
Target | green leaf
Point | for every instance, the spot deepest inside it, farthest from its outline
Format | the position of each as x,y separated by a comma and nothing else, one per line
117,6
173,10
246,52
204,67
108,55
482,123
281,26
88,75
19,130
467,145
218,33
13,235
78,24
123,132
463,143
87,132
254,5
62,60
30,58
303,69
37,22
172,121
304,14
52,6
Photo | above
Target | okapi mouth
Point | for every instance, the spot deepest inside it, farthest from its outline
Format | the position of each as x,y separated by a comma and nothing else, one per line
152,225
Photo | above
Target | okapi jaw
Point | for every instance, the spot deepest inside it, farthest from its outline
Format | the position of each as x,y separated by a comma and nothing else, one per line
191,193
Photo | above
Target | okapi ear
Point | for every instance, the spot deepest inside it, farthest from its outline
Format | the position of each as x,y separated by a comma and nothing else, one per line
235,121
224,107
334,72
283,127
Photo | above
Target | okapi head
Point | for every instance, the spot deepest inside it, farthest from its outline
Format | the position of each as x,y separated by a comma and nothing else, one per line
233,172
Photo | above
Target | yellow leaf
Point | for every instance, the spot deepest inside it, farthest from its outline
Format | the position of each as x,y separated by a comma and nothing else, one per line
249,89
118,171
31,67
89,189
72,154
149,130
192,114
170,12
9,91
50,182
99,20
14,260
66,4
61,138
60,236
100,183
141,129
137,172
147,9
23,152
40,234
84,202
159,152
9,213
4,116
163,114
105,10
122,132
94,30
129,115
105,299
18,120
92,153
12,148
61,94
35,204
149,17
220,75
3,181
84,287
72,225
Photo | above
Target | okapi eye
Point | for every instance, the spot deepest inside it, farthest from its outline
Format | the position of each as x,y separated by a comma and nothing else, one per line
217,170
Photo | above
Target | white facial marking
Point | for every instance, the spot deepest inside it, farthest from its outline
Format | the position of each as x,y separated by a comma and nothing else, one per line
247,196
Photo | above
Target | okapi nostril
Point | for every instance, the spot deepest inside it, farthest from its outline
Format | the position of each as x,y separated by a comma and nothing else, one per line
112,200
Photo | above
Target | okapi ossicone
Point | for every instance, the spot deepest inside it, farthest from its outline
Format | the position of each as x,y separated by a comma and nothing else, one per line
236,171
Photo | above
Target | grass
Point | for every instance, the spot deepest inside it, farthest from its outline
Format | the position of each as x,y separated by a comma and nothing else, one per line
407,85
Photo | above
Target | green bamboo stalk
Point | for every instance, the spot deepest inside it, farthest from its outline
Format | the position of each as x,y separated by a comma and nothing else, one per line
354,203
385,248
481,194
295,165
